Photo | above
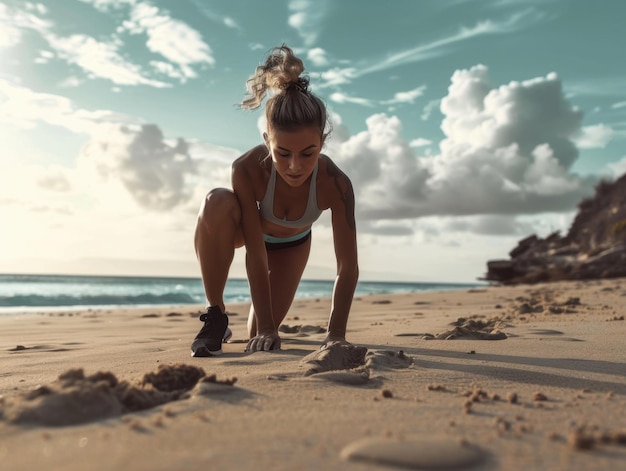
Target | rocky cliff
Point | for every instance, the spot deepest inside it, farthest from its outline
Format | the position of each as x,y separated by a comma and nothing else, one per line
594,247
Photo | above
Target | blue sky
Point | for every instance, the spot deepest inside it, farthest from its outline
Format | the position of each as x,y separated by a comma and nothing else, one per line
465,125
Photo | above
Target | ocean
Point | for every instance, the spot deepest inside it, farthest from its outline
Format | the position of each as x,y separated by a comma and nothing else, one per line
27,293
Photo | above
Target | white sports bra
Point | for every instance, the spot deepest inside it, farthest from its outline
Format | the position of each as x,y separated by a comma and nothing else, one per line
311,213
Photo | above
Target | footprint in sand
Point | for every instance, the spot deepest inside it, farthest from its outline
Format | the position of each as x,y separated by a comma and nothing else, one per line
301,330
18,348
43,348
557,334
425,453
355,377
545,332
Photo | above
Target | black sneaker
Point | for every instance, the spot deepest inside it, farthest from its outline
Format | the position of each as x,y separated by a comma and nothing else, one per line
208,342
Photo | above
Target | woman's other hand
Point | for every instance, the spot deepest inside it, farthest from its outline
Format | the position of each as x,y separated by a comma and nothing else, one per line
264,342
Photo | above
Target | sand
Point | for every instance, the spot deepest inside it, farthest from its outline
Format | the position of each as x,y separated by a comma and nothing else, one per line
528,377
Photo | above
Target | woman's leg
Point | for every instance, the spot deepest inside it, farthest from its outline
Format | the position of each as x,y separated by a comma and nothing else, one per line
218,233
286,267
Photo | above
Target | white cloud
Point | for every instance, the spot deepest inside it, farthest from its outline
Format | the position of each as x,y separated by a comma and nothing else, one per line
387,228
67,213
168,69
44,57
431,106
202,6
507,3
23,108
597,86
10,35
527,114
107,5
507,150
594,137
420,142
339,97
54,180
406,97
36,7
618,105
438,47
382,166
618,168
71,81
307,17
13,20
337,76
174,40
231,23
153,170
155,173
317,56
488,225
545,176
96,207
502,226
99,60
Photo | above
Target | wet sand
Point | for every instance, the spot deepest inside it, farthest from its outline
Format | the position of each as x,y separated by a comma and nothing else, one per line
528,377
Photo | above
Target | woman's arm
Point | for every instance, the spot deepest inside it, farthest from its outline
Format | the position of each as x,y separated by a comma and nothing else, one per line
256,260
344,236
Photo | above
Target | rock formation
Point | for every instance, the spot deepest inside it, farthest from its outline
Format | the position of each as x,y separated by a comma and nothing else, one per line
594,247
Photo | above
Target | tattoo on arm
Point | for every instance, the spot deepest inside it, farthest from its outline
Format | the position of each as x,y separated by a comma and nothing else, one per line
346,192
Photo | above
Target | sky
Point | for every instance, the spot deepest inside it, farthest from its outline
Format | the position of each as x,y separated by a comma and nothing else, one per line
464,125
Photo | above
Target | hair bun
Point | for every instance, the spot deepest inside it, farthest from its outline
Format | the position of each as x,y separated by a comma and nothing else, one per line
281,71
301,85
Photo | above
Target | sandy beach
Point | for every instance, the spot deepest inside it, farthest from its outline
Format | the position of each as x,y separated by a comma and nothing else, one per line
526,377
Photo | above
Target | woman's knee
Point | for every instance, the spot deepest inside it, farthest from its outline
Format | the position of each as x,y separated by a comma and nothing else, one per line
220,212
220,205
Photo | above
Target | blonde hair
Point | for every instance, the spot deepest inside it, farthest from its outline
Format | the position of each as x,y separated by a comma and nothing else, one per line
292,105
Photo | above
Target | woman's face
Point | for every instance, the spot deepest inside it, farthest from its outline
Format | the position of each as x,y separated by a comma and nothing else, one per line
294,153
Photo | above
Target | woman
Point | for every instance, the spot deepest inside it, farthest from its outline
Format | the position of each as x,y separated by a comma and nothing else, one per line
279,189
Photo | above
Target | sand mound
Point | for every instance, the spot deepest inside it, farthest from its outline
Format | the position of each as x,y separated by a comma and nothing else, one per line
76,399
351,365
334,356
176,378
465,328
386,359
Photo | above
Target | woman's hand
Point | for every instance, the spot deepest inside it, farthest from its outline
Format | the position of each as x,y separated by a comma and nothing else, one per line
264,342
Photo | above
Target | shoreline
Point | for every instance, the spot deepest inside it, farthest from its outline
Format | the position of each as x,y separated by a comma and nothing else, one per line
436,380
46,292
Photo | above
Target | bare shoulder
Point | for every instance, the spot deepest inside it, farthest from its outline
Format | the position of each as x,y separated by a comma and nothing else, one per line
329,167
339,197
335,181
251,159
249,176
